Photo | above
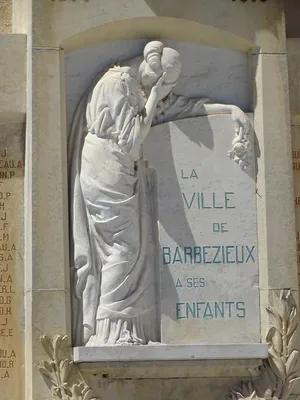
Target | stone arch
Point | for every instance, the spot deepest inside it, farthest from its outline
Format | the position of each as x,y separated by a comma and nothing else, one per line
156,28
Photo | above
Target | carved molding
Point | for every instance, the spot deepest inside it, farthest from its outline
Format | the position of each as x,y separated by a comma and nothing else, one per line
281,370
61,375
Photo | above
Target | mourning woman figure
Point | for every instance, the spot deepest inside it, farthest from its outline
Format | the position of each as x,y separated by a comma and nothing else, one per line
113,250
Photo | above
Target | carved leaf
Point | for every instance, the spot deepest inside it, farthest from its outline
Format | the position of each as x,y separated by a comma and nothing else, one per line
279,390
66,367
284,306
270,334
293,322
47,375
276,319
56,346
48,366
295,379
61,349
76,392
236,395
274,338
64,344
292,343
287,390
251,388
245,389
47,345
88,395
276,363
81,386
292,362
270,379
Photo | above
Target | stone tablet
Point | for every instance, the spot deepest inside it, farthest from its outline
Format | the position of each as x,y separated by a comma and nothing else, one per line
207,234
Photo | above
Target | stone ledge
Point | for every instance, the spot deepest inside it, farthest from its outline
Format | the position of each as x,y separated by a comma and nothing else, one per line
171,352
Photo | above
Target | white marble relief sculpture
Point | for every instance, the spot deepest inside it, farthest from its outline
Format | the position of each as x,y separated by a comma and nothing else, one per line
113,260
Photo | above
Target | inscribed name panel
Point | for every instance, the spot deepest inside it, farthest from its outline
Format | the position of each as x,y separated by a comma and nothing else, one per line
206,210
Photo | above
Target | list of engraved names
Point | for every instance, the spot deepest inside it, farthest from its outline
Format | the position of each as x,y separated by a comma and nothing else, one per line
11,269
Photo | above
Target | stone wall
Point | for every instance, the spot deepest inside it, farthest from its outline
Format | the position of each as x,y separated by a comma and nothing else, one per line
5,16
292,10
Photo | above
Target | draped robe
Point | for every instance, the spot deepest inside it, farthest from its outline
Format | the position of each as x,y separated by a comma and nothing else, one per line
113,214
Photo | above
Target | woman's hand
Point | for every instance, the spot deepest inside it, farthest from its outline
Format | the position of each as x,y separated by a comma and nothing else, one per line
242,146
162,89
240,120
156,89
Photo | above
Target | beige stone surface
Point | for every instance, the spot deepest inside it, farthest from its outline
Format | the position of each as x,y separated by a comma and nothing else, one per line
5,16
54,22
147,389
13,76
166,369
11,261
21,12
46,226
190,389
293,54
276,225
48,184
162,389
296,172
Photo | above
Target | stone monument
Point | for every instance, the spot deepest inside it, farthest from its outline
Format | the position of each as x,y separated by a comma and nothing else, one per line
159,256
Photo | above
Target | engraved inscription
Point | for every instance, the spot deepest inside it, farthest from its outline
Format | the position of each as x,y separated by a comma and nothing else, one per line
11,298
296,171
204,248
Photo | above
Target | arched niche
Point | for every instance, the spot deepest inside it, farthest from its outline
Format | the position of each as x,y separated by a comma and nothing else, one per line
215,62
156,28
